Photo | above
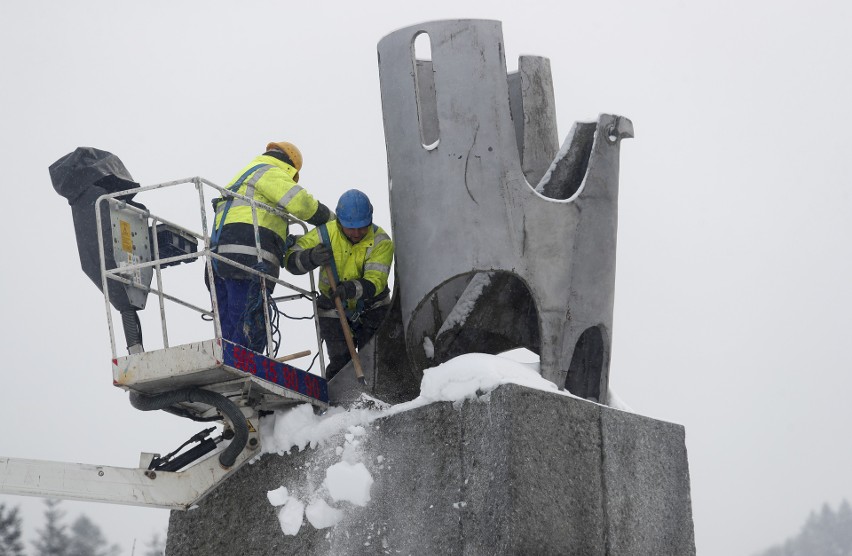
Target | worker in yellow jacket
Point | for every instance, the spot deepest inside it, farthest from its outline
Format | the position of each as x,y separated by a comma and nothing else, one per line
271,178
360,255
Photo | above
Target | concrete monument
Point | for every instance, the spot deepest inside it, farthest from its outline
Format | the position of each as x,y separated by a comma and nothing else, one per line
503,240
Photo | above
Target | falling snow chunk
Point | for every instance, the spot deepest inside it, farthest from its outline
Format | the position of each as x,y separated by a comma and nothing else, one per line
321,515
299,427
349,482
290,516
459,505
278,497
351,453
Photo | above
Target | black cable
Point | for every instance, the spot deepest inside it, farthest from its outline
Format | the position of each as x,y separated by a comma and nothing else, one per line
274,322
313,361
286,316
274,326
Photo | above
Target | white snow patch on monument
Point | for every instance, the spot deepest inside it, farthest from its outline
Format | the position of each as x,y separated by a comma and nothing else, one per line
616,402
428,347
467,301
470,376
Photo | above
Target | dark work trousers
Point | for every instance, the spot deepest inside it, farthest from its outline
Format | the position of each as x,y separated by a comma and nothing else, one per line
241,311
335,341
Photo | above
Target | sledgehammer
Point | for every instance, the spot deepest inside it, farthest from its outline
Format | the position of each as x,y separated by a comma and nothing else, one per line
347,332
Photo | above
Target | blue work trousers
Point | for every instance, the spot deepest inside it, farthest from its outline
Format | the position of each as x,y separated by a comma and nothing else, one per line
241,311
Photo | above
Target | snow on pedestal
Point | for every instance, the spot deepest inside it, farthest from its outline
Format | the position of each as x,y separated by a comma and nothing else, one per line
490,458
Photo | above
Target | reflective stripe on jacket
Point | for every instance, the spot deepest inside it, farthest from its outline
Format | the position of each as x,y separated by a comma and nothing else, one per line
274,186
370,258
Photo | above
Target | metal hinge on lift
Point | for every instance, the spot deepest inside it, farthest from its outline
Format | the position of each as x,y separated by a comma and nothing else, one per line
175,462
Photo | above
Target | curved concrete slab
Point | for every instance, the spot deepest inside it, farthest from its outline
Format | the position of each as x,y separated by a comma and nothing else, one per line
502,240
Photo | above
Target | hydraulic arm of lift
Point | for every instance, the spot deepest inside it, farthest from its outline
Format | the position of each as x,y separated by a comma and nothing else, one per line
142,486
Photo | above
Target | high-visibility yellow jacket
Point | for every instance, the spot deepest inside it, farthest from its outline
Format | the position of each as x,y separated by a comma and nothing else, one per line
368,261
273,185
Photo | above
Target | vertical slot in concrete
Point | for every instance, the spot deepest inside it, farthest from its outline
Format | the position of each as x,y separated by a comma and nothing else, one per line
424,79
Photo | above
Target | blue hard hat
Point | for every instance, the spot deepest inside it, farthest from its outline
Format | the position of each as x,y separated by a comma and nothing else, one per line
354,210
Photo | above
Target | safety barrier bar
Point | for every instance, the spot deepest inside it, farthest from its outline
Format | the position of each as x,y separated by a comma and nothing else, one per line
152,220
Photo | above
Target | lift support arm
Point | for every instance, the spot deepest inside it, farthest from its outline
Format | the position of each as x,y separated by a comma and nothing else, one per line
176,490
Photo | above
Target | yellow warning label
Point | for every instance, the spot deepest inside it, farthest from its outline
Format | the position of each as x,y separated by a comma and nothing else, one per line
126,241
251,428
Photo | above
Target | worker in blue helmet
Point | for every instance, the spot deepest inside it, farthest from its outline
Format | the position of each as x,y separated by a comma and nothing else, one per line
360,254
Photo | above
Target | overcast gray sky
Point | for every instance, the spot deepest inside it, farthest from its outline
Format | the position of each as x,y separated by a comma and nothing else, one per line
732,301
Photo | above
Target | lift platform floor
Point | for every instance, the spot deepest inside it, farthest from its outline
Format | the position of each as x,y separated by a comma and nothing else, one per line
220,366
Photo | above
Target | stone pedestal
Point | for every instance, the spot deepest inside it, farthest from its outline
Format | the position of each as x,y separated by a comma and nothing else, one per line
491,477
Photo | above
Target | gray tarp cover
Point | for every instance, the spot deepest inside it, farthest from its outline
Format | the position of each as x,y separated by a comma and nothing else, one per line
76,172
81,177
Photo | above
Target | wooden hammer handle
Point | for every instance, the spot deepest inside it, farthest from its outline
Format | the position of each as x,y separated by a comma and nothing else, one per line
344,323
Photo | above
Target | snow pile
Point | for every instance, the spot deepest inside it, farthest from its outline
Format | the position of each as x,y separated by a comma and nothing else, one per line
474,374
348,480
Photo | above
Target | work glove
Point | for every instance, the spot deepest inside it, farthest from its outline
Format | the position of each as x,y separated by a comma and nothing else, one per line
325,303
348,290
320,255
